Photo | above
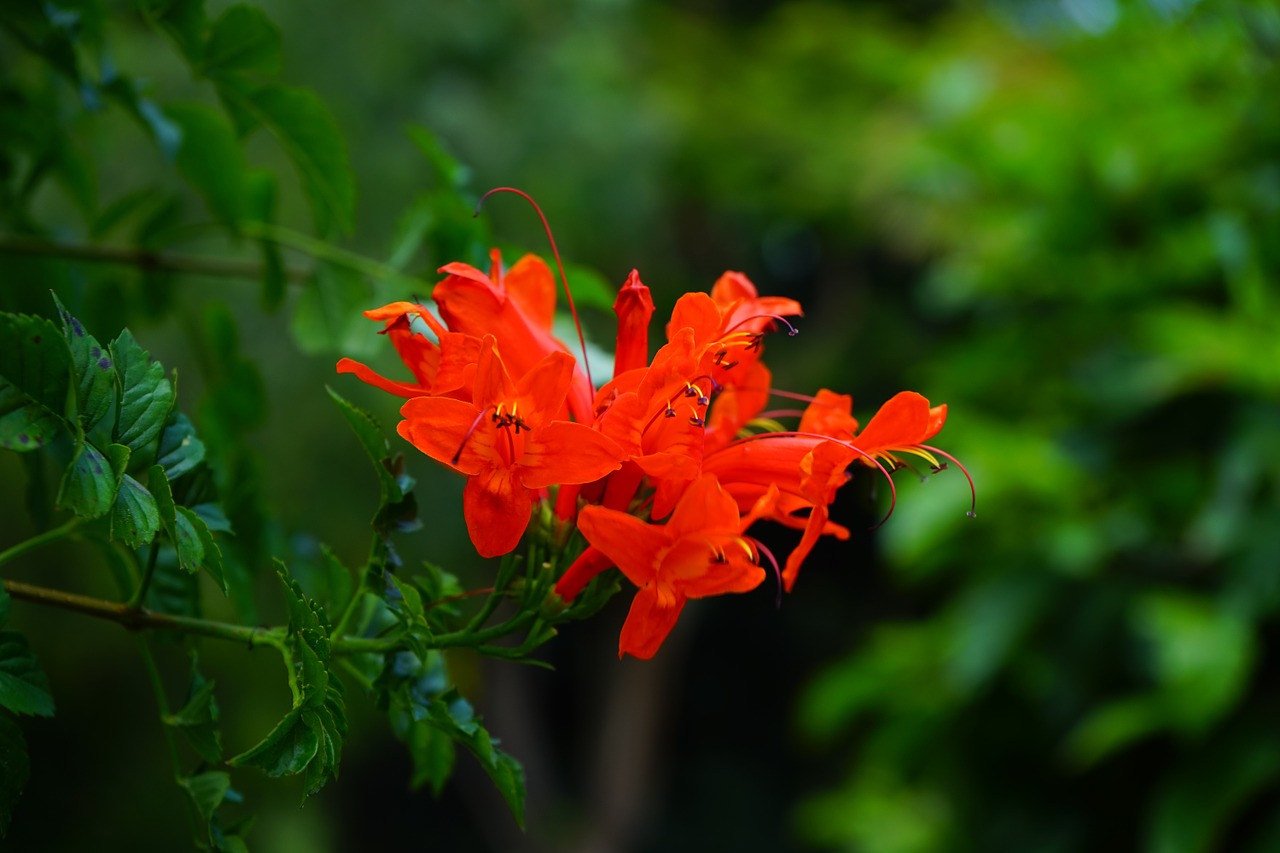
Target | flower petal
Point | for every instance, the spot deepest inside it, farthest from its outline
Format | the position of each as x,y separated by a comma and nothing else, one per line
648,624
497,510
634,546
565,452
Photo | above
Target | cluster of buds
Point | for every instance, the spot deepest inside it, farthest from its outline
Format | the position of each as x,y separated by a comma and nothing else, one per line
667,466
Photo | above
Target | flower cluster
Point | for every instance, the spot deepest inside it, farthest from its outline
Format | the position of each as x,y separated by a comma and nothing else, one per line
666,467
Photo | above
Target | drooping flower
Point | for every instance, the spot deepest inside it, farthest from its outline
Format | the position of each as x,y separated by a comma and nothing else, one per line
445,365
507,443
699,552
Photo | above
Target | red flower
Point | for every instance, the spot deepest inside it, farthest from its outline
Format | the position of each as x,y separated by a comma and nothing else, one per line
446,367
507,444
902,425
700,552
518,309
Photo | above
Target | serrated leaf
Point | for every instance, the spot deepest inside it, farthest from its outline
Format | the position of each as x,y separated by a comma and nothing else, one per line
207,791
212,160
92,480
179,449
243,40
94,377
311,139
15,769
146,396
24,689
135,520
35,360
434,756
191,527
285,751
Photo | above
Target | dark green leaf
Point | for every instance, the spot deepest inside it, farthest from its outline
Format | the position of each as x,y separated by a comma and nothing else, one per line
198,719
411,230
23,686
191,527
35,360
15,769
311,139
183,21
434,755
129,95
25,425
207,791
287,750
95,380
375,445
179,449
92,480
134,517
211,159
243,40
146,396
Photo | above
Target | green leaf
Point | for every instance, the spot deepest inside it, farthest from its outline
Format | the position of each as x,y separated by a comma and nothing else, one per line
92,480
207,791
25,425
179,449
286,750
95,380
375,445
182,20
135,520
198,719
448,171
191,527
35,360
211,159
311,139
328,318
146,396
243,40
15,769
23,686
129,95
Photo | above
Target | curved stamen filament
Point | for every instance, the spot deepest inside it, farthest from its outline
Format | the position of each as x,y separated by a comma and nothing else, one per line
792,331
773,562
546,226
470,430
973,492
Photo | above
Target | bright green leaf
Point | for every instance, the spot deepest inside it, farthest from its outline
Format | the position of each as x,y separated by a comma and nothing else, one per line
135,519
192,528
287,750
23,686
95,380
146,396
179,449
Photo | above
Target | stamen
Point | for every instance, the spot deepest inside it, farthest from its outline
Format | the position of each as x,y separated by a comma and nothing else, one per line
973,492
777,572
471,429
573,309
792,331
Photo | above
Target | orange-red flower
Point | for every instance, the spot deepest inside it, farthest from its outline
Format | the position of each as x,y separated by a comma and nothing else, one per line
508,445
903,424
445,365
699,552
518,309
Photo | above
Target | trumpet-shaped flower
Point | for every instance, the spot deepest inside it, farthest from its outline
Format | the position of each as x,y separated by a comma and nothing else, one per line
507,443
699,552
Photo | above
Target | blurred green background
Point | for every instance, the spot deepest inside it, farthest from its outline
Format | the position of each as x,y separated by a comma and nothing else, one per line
1059,217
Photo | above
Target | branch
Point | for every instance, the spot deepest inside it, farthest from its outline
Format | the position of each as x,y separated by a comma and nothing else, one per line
146,259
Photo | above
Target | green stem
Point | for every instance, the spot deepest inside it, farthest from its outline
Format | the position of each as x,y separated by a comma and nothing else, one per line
323,251
139,618
146,259
141,593
157,686
51,535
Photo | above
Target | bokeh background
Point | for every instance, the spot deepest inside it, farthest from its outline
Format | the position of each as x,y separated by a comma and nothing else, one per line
1060,217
